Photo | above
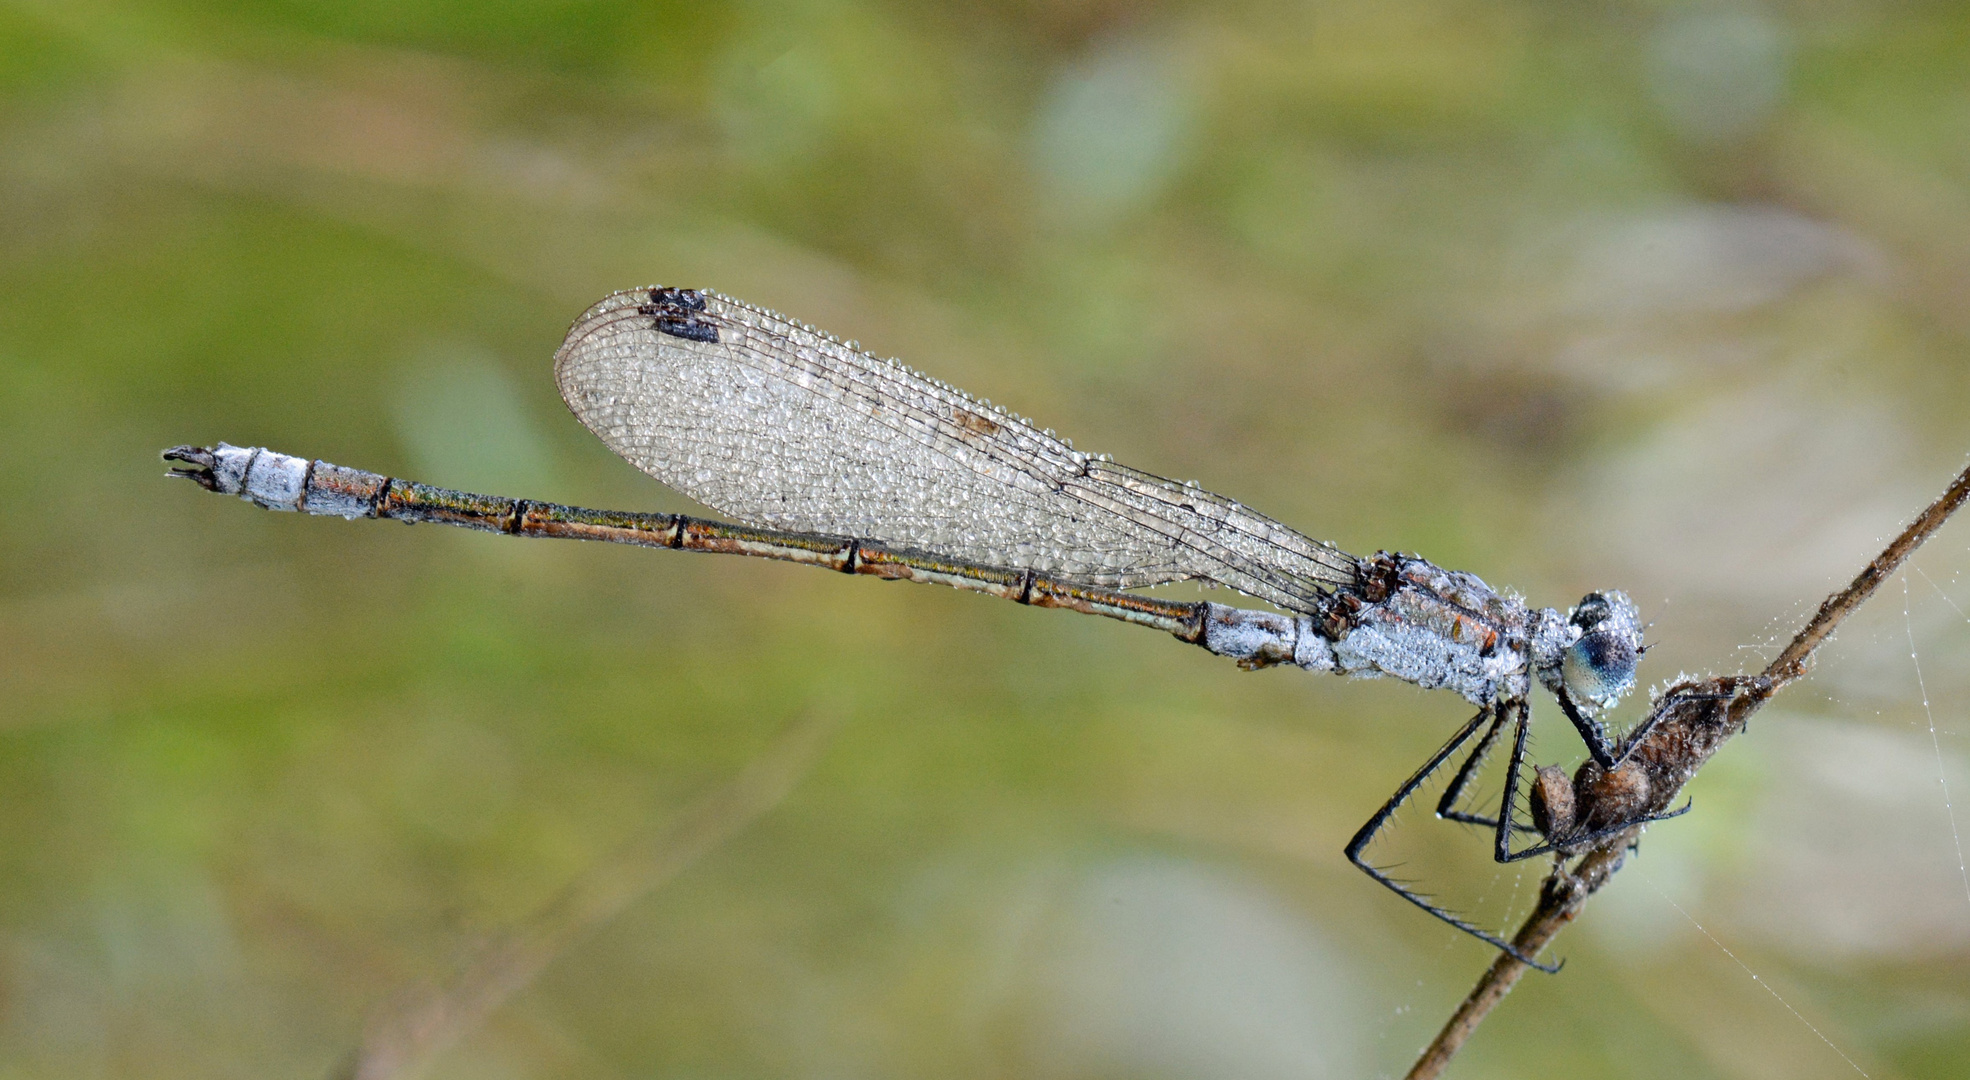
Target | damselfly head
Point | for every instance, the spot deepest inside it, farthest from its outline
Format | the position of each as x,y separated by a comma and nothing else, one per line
1599,666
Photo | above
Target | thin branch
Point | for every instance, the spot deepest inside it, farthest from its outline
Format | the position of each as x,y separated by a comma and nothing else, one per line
1792,663
407,1032
1693,720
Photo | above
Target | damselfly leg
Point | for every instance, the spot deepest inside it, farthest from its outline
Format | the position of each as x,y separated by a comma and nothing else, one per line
1498,714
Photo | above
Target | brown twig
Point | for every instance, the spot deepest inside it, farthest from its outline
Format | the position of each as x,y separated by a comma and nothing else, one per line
407,1032
1687,725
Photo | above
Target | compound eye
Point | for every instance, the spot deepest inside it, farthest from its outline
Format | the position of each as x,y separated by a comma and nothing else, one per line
1599,666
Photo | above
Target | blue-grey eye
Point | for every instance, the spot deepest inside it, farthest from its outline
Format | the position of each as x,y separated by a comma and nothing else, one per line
1599,666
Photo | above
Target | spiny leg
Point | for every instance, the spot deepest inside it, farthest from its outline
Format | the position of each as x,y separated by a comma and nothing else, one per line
1374,825
1446,807
1508,803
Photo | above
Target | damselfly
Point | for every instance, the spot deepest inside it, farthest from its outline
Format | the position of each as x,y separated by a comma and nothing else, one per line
833,457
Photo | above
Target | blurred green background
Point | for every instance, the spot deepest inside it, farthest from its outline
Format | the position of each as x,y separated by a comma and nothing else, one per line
1673,297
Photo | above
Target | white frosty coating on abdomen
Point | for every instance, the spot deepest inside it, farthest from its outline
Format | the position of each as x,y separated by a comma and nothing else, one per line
262,477
1243,634
1312,650
279,481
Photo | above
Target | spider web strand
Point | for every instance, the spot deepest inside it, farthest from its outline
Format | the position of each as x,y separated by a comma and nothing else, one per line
1776,996
1942,773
